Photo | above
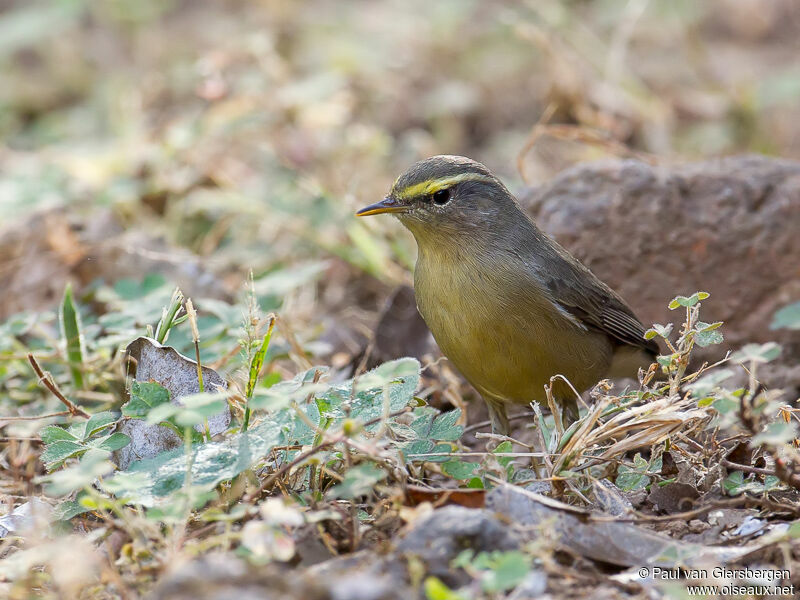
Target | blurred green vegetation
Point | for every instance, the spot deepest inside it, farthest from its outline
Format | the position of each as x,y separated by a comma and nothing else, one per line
148,144
238,123
201,143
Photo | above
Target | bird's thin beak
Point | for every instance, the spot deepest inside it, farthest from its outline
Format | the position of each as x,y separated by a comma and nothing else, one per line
387,205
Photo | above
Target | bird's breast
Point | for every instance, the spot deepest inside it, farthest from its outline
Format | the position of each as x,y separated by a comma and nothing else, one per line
499,327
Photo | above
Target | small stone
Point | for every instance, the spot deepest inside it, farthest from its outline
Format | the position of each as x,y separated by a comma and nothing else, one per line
698,526
438,538
676,529
533,586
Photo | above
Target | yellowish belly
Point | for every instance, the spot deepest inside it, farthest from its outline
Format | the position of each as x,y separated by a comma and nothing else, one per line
508,344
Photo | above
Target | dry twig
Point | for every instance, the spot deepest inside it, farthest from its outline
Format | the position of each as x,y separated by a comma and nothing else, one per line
50,384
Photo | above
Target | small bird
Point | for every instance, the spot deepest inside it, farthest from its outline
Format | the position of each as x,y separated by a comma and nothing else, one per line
507,305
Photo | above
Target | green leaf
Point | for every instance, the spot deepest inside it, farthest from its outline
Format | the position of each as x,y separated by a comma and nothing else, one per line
423,418
679,301
258,361
193,410
391,372
94,425
727,403
666,361
61,444
444,426
476,483
255,368
655,464
706,384
631,479
504,448
788,316
282,394
113,442
440,449
68,509
72,336
54,433
430,426
758,353
168,315
94,464
776,433
358,481
124,480
417,447
435,589
464,559
459,469
391,386
508,569
707,334
735,484
56,453
524,475
708,326
144,397
661,330
212,462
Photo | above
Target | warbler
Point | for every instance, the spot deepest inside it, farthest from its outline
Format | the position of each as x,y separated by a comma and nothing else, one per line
508,306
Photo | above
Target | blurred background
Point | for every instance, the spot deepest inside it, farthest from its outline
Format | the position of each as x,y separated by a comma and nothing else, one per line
149,144
160,142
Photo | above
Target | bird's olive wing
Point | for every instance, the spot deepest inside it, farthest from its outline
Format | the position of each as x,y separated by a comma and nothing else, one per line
598,307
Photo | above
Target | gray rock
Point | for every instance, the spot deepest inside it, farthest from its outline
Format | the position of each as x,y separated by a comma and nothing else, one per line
368,586
223,576
608,541
365,575
726,226
533,586
539,487
438,538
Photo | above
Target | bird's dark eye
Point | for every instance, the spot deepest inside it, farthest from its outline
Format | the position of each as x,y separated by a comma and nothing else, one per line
441,196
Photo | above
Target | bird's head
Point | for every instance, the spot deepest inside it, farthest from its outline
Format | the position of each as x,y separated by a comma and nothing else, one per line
446,195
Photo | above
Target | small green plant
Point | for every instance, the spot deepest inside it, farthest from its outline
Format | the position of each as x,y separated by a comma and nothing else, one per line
496,571
71,332
637,476
254,370
63,443
354,443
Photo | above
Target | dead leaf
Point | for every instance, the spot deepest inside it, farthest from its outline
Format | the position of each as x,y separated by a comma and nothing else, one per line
416,495
674,497
147,360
